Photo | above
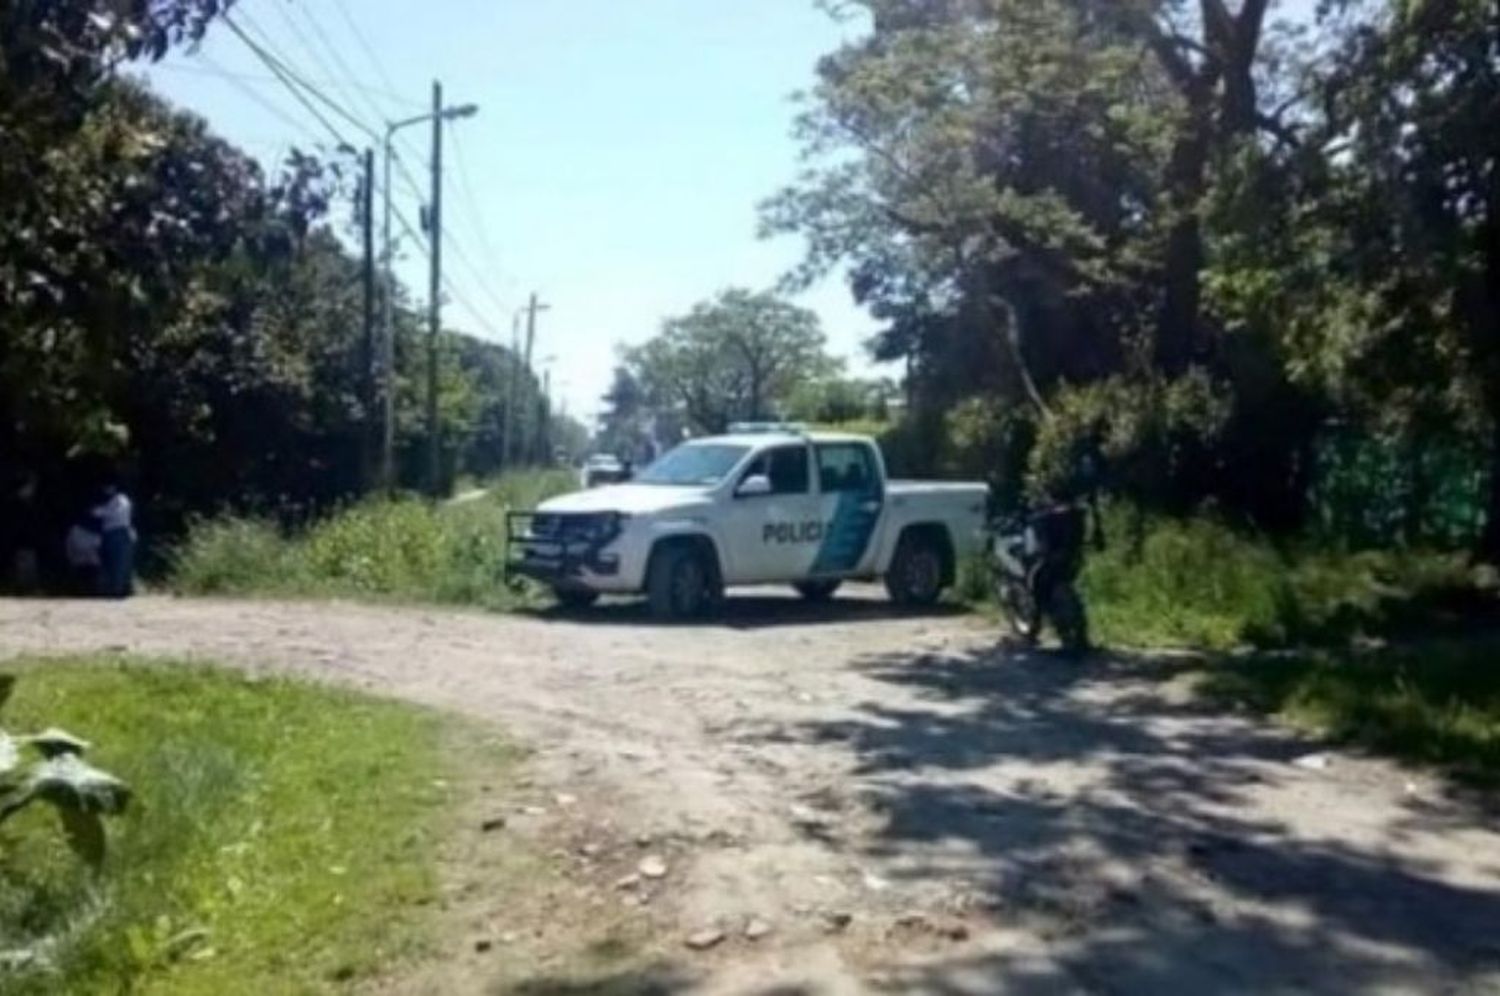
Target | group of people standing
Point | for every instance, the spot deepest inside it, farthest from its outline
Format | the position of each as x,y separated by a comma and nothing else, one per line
100,547
80,538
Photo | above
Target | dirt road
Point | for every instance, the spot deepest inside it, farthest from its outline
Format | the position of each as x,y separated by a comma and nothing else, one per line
910,809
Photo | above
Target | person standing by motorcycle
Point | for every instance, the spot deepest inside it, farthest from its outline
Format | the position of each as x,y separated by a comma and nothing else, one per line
1035,561
1089,469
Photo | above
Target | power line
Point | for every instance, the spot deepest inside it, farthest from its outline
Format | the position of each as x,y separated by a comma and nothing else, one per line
474,214
447,283
211,68
182,67
343,68
283,68
359,37
374,60
288,81
296,84
398,141
327,46
474,271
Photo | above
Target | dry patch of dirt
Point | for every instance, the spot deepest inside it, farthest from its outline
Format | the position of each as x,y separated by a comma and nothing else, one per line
850,800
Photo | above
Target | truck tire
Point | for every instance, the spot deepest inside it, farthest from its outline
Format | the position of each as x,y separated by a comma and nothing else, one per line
575,598
817,591
915,577
680,583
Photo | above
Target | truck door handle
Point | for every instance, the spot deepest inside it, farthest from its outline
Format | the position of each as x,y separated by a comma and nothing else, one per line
869,506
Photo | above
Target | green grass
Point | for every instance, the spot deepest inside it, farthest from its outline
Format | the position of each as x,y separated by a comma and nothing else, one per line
281,836
1438,703
1198,583
403,549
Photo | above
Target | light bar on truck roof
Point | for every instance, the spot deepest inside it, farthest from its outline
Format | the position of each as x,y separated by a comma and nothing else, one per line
767,428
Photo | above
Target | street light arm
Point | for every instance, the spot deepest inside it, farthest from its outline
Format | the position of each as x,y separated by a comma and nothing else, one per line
448,114
394,126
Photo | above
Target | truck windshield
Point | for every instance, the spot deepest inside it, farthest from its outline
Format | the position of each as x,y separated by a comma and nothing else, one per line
696,465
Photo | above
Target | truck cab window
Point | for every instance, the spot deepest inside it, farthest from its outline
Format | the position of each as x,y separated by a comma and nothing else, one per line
847,467
786,467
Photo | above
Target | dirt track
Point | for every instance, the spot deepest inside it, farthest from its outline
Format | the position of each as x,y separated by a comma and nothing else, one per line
989,822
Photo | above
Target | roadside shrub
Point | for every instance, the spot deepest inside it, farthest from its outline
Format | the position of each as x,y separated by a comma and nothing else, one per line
230,556
401,549
1197,582
1167,582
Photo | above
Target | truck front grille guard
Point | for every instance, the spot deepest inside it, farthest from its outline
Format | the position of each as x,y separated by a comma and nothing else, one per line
578,549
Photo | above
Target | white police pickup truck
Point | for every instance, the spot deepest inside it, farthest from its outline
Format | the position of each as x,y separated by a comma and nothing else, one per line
766,504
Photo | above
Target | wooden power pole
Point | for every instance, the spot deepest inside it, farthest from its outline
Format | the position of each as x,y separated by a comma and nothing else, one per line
435,294
368,398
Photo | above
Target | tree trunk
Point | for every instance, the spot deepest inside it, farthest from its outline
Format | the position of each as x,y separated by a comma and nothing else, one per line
1489,539
1485,329
1177,339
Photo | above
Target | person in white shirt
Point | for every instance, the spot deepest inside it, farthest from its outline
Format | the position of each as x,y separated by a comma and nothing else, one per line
117,543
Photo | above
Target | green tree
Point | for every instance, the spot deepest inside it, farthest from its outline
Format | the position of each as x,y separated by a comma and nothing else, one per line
624,425
1002,211
738,357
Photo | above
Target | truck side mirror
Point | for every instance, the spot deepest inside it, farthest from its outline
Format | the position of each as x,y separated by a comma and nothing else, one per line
756,486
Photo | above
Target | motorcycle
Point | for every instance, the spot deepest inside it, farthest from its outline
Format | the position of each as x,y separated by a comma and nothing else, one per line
1034,562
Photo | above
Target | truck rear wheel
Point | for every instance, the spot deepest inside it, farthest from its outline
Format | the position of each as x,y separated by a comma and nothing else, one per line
916,574
680,583
817,591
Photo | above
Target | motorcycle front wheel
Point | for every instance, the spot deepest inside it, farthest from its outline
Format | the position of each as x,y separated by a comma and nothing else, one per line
1019,608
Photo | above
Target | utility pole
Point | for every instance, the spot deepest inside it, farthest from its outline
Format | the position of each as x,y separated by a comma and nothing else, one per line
544,413
387,340
510,394
439,115
367,353
531,312
435,294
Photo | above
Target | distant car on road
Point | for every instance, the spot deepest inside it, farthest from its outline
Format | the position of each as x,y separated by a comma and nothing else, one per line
764,504
602,468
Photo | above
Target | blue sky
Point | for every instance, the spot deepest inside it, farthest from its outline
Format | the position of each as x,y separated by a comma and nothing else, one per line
614,166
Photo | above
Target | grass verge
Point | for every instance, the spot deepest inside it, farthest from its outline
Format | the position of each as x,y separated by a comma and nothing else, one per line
1198,583
404,549
1437,704
282,836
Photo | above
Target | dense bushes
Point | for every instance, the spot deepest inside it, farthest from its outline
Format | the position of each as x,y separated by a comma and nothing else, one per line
1199,583
404,549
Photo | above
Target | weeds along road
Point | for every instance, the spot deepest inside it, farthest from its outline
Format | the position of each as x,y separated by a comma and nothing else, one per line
910,807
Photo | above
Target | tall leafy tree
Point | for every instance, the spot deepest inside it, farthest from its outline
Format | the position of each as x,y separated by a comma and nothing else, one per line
739,356
1001,212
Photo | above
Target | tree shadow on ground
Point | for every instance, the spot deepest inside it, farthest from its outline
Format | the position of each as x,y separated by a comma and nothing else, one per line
1115,821
1436,702
656,980
752,611
1387,606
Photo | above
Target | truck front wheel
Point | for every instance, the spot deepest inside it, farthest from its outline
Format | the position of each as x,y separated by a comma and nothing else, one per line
916,574
680,583
574,599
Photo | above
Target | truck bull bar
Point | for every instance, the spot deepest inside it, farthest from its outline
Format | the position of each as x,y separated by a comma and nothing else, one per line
557,549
